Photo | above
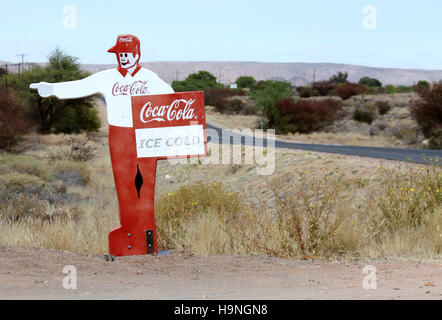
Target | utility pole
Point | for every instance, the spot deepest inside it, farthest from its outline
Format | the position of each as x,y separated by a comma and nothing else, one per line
22,55
219,73
177,73
314,75
6,79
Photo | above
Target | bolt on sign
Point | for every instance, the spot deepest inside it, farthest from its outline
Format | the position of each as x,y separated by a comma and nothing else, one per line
147,122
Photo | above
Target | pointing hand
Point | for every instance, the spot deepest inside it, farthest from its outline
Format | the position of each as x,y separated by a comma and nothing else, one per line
44,89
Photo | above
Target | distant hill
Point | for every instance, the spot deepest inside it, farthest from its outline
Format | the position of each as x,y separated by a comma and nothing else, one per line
295,73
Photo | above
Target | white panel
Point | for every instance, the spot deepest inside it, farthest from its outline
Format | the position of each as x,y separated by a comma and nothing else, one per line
170,141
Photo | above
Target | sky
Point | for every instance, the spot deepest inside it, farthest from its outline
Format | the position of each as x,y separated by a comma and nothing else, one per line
377,33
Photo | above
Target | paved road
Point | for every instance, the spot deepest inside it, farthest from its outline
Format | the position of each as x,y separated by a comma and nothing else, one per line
400,154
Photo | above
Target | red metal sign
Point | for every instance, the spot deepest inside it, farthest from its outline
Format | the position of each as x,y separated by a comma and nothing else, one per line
164,126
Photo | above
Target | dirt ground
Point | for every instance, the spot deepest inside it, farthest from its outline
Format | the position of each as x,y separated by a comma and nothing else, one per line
28,273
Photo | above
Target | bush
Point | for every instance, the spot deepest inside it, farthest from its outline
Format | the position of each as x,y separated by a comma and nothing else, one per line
202,80
219,98
305,116
245,82
339,78
363,115
370,82
403,89
266,93
423,83
74,120
13,125
421,86
348,90
390,89
436,139
49,113
324,87
307,92
428,113
383,107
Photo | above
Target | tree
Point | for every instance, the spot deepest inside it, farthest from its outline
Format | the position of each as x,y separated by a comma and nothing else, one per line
423,83
266,93
202,80
324,87
13,125
428,113
245,82
340,78
52,114
370,82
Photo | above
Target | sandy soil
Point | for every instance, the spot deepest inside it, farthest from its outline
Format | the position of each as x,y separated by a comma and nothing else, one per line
27,273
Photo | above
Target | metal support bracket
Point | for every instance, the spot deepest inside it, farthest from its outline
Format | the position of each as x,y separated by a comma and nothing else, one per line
149,240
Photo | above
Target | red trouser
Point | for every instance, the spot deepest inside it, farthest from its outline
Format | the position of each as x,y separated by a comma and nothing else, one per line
135,185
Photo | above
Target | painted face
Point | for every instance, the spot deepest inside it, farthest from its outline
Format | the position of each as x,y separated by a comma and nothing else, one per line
127,59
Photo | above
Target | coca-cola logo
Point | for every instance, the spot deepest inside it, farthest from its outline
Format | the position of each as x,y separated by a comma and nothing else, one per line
179,109
127,39
135,88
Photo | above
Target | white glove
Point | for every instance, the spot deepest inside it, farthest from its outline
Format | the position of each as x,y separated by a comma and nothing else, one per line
44,89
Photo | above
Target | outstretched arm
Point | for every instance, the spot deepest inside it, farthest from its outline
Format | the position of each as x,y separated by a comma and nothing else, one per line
69,90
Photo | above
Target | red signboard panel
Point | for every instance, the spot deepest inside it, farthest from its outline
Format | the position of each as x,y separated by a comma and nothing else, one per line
164,126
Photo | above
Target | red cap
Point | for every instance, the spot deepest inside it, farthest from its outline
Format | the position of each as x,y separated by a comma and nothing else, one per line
126,43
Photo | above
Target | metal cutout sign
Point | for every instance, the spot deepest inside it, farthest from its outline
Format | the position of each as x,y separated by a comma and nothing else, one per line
147,122
171,125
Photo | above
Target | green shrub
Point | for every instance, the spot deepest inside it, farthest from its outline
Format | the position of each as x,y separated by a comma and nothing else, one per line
403,89
363,115
370,82
266,93
339,78
245,82
390,89
201,81
383,107
423,83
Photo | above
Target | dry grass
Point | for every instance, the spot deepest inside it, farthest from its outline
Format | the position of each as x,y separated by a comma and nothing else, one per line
314,205
313,221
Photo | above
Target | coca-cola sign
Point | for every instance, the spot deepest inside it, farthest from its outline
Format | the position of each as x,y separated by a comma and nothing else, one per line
135,88
177,110
170,125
